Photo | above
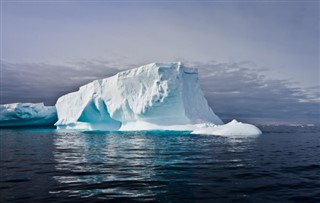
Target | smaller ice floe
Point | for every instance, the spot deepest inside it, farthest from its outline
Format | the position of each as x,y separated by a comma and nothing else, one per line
231,129
27,114
310,125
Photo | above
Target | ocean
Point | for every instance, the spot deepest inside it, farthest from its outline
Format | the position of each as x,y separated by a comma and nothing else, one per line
46,165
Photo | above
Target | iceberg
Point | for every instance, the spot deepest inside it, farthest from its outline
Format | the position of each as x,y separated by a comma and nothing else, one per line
27,114
157,96
231,129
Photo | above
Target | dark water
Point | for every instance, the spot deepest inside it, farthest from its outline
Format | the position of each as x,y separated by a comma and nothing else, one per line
44,165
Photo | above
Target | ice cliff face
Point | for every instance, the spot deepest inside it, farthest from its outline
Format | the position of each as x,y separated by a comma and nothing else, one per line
27,114
154,96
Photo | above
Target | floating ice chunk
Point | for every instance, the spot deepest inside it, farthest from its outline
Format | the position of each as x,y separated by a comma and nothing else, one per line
27,114
231,129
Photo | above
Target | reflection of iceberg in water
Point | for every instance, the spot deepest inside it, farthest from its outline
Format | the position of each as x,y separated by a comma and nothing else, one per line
152,165
98,164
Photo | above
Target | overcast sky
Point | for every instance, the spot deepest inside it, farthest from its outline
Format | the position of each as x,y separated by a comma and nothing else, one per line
258,60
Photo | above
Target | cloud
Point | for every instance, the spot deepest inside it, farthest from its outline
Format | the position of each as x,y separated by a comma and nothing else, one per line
41,82
234,90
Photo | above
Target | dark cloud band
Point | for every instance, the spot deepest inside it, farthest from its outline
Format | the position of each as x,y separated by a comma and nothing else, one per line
233,90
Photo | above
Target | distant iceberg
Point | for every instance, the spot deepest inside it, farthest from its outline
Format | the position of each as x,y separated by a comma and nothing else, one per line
27,114
157,96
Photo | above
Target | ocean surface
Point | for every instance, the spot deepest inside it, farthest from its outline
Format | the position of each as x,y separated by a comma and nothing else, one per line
45,165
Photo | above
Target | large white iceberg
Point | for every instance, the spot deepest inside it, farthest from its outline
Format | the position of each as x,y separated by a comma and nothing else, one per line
157,96
27,114
154,96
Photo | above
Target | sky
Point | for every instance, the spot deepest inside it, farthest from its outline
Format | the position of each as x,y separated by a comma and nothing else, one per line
258,61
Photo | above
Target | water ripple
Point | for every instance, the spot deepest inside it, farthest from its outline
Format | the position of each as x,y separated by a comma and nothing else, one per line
54,166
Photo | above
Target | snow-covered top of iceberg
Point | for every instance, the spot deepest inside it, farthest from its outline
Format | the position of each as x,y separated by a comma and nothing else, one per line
159,94
27,114
231,129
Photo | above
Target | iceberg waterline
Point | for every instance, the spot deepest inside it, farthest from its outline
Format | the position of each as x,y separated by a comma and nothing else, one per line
157,96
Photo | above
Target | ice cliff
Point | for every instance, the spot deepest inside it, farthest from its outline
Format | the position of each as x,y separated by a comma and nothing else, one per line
154,96
27,114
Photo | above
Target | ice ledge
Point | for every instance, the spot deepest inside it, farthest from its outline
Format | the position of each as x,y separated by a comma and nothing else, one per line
233,129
